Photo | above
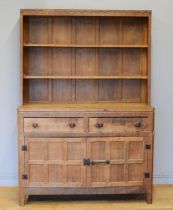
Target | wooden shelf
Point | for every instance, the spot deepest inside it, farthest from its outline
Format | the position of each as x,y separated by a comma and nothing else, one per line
67,58
84,46
84,77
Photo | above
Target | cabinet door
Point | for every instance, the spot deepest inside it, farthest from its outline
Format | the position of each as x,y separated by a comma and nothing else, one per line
116,161
56,162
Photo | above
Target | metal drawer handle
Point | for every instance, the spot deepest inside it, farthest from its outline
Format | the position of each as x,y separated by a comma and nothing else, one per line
72,125
35,125
88,162
94,162
138,124
99,125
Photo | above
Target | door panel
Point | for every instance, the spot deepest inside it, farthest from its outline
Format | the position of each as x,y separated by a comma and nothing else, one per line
55,162
126,161
135,172
117,172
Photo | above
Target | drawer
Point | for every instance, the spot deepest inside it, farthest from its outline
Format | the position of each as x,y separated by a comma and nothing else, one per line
47,125
107,125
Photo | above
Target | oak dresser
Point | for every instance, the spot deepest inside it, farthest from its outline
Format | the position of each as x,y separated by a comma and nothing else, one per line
85,124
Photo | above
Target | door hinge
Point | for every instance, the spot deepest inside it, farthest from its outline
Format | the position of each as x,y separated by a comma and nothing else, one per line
147,174
148,146
24,148
24,176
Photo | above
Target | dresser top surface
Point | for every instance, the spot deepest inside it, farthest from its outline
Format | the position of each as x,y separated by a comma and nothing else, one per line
84,12
105,106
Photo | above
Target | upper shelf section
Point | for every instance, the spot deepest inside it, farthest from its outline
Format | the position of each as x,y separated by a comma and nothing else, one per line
106,32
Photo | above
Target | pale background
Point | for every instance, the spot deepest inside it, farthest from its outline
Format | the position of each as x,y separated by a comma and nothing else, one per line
162,77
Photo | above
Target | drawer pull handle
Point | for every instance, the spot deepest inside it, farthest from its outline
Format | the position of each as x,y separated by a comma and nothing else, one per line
94,162
88,162
138,124
99,125
35,125
72,125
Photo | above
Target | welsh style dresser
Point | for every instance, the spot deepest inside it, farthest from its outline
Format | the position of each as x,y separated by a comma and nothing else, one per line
85,124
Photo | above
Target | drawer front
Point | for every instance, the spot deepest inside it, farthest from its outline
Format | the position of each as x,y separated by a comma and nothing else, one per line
47,125
108,125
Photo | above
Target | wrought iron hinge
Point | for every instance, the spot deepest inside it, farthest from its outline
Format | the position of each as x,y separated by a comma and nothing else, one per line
24,148
147,174
148,146
24,176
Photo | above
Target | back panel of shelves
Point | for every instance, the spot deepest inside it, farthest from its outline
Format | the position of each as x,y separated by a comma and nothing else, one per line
85,59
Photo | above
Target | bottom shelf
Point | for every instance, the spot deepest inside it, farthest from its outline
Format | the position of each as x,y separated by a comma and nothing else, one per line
55,91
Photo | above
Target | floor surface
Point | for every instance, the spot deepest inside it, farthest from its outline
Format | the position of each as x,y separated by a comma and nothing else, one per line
162,200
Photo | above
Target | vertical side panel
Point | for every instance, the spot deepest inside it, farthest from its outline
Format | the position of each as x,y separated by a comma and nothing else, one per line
150,153
21,165
21,59
149,61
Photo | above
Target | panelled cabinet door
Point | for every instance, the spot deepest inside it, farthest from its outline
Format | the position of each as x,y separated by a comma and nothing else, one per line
116,161
55,162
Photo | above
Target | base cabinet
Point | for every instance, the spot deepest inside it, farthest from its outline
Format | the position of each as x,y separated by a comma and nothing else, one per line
91,162
85,155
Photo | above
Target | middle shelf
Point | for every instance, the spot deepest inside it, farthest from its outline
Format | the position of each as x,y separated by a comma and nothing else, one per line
86,77
85,45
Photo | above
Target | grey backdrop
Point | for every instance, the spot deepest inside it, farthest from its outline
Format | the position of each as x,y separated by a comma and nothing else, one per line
162,77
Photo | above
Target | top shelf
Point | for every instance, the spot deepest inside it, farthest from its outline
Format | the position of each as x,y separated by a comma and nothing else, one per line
83,46
85,12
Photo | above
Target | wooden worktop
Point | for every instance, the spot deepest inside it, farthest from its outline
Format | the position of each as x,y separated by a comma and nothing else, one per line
104,106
